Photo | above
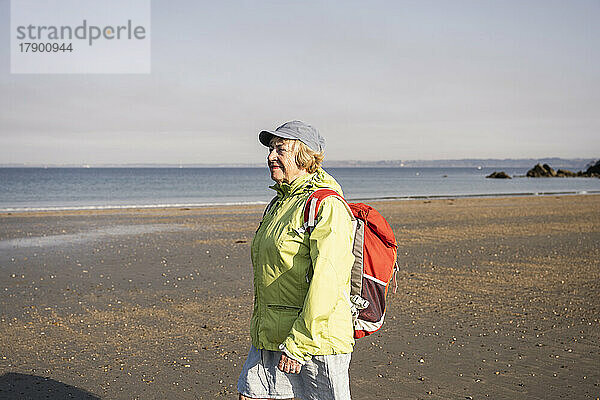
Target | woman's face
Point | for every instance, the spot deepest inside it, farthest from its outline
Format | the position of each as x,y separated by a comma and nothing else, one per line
282,161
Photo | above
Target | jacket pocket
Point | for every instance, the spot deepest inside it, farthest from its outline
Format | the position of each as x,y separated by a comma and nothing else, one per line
283,317
284,308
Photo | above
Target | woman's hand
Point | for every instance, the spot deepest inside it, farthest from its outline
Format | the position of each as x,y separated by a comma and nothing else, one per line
289,365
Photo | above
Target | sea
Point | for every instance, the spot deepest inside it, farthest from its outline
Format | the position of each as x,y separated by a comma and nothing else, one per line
48,189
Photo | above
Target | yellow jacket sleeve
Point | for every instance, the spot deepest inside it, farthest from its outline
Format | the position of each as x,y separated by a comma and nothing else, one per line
325,321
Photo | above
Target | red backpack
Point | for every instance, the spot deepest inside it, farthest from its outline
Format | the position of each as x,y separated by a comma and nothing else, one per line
375,260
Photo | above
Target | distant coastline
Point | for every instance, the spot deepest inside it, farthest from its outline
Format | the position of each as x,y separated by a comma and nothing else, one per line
568,163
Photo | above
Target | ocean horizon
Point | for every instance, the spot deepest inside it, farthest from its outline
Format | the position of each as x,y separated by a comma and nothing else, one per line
48,189
574,164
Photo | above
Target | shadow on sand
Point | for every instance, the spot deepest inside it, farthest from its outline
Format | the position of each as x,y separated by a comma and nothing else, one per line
21,386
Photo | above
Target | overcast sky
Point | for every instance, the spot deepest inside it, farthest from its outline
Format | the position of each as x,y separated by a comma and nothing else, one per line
379,79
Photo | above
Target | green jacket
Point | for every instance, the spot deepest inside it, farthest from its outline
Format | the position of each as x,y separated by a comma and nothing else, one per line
302,281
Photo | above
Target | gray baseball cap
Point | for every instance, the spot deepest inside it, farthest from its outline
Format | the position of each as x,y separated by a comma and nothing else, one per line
298,130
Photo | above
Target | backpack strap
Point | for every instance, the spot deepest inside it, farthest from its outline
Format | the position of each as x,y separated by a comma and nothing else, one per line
311,208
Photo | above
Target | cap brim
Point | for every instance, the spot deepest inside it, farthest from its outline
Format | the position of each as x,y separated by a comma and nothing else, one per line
265,137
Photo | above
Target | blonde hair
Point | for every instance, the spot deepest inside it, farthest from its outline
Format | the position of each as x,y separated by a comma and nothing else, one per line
306,158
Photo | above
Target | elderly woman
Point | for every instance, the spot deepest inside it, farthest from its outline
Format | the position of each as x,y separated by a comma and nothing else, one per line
301,327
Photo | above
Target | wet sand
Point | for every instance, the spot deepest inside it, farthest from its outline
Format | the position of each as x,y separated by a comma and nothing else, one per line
497,298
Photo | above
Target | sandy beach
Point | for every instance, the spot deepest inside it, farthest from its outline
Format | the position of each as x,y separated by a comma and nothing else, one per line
497,298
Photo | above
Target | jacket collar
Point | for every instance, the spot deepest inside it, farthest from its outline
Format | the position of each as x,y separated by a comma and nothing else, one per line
298,185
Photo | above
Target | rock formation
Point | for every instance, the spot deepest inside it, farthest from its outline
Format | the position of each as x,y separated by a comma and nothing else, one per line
594,170
541,171
499,175
546,171
565,173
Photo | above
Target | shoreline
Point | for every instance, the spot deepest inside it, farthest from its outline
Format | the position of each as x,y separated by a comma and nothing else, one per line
137,207
497,298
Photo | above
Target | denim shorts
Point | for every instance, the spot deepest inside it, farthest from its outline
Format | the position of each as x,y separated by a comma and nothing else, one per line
321,378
